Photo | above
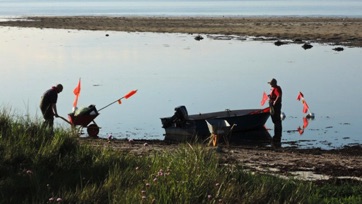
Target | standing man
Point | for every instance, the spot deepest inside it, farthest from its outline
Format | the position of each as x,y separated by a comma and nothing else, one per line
275,103
48,105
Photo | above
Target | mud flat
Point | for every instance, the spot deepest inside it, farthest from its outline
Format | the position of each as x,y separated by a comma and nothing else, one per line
334,31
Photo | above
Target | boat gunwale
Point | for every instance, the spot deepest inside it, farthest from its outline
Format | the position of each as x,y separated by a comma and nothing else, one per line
221,114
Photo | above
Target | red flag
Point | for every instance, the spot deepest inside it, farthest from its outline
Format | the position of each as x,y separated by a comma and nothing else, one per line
300,130
131,93
76,92
264,99
305,107
305,122
300,95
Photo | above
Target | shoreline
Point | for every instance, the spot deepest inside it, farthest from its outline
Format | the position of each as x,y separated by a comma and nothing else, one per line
333,31
301,164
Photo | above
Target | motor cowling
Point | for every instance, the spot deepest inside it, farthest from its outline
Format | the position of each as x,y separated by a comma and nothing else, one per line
181,113
179,118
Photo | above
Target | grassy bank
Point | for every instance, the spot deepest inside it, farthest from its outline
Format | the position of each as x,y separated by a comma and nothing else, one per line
37,167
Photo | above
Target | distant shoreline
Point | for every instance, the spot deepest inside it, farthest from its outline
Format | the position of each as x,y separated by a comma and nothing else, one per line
334,31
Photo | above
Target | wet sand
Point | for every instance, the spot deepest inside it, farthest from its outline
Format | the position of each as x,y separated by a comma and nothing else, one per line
334,31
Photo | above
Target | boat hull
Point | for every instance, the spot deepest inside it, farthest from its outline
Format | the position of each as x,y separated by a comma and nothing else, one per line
195,127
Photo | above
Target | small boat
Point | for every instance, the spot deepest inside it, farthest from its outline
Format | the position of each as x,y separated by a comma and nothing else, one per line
196,127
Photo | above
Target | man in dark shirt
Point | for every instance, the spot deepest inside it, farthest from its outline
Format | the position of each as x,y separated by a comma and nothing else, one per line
48,105
275,103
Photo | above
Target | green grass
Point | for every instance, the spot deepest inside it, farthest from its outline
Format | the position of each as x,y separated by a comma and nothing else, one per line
36,167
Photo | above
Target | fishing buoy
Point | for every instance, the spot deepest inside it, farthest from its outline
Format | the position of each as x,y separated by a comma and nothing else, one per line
282,115
310,116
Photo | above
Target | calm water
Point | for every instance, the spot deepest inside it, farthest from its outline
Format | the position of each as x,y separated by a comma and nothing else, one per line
174,69
350,8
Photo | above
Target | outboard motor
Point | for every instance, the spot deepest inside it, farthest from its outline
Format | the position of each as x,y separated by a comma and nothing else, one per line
179,118
181,113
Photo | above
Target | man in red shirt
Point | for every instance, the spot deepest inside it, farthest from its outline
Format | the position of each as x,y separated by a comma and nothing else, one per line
48,105
275,103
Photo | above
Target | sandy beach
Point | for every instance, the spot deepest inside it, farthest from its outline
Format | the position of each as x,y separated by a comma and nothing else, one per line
334,31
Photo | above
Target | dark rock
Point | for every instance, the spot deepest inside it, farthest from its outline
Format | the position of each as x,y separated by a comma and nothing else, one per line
198,37
307,46
338,49
279,43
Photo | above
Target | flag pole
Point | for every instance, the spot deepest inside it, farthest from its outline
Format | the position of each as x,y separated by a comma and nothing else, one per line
128,95
303,101
110,104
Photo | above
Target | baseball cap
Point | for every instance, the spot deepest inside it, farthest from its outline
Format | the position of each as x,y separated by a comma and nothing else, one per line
273,82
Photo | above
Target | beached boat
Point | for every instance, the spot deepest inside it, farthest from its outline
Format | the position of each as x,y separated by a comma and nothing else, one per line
184,127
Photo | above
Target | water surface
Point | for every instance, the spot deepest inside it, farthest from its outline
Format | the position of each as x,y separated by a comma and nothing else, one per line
336,8
174,69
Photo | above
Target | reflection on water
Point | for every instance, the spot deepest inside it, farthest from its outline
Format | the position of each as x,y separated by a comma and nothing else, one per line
170,70
253,137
